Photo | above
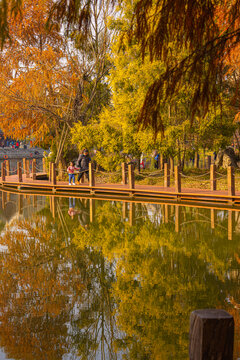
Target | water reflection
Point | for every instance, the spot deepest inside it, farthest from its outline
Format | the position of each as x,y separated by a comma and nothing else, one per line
90,279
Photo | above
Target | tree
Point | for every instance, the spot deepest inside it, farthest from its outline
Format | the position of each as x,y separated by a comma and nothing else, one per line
51,79
129,79
159,28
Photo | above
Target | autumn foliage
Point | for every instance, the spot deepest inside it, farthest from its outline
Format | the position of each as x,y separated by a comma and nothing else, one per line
38,76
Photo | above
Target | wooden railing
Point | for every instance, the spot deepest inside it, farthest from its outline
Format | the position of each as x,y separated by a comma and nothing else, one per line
128,175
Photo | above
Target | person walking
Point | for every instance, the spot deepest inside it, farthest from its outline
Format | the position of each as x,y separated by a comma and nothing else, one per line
156,161
83,164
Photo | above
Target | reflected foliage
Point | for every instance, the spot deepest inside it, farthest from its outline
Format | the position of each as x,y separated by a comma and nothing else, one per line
40,285
113,280
161,275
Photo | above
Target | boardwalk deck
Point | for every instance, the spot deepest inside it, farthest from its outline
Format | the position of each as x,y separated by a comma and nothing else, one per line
142,192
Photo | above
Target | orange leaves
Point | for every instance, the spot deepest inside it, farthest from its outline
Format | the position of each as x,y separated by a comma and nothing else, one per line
37,80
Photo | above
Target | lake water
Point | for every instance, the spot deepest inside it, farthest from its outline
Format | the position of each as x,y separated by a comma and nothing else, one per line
94,279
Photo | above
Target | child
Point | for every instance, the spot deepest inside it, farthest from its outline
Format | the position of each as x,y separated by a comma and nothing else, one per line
71,174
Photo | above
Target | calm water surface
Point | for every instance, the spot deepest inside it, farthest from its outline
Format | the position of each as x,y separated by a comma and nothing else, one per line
91,279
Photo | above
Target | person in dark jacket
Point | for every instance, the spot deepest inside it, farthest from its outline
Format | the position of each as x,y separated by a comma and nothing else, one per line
83,164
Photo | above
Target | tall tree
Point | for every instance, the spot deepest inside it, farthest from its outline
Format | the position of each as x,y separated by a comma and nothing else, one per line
165,25
51,79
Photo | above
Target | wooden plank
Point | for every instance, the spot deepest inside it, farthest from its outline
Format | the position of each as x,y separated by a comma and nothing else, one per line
153,193
126,199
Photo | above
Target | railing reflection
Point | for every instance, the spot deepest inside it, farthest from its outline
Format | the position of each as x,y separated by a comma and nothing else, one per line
87,208
230,225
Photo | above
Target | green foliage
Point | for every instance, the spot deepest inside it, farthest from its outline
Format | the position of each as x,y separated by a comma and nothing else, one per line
105,139
156,286
129,80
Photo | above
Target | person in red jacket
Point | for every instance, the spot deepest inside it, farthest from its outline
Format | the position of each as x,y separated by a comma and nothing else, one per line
71,169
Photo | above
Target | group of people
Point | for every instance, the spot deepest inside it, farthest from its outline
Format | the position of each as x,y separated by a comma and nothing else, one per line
82,166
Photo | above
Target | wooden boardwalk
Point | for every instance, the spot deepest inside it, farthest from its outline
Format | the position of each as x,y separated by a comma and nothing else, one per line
139,192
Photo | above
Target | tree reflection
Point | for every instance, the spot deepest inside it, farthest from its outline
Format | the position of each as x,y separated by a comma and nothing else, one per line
161,275
40,286
114,283
55,299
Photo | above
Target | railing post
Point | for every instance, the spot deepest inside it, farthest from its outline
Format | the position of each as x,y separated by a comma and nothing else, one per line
124,173
211,335
19,171
166,213
230,224
131,179
166,175
3,171
161,162
132,210
177,218
92,208
177,178
124,210
3,200
7,168
54,178
212,219
44,164
231,181
213,180
171,166
34,169
50,172
91,175
27,168
24,166
20,202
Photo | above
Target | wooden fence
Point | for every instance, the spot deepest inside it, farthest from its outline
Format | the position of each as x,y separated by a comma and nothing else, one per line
128,175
